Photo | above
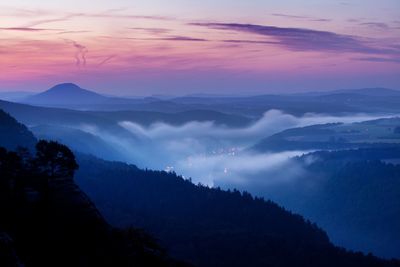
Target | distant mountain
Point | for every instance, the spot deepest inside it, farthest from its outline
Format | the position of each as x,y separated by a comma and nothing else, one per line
377,91
81,130
78,140
66,94
368,92
33,116
374,133
373,100
71,96
15,95
147,118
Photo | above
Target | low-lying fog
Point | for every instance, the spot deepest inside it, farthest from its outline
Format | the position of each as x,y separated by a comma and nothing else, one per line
216,155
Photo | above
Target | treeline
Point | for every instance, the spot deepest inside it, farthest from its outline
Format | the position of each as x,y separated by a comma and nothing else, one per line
47,221
352,194
210,226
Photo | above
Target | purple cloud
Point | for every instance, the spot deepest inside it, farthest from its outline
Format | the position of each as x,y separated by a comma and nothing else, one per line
321,20
379,59
250,42
379,25
155,31
171,38
289,16
69,32
353,20
300,17
183,38
111,14
299,39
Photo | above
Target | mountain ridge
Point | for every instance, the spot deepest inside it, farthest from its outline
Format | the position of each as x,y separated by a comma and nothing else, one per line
66,94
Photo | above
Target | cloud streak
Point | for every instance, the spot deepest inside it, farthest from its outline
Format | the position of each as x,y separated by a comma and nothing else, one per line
378,25
250,42
183,38
155,31
80,54
300,17
113,15
379,59
299,39
289,16
171,38
107,59
46,21
27,29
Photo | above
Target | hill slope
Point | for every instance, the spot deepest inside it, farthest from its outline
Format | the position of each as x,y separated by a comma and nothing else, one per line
209,227
352,194
374,133
46,220
33,116
66,94
14,134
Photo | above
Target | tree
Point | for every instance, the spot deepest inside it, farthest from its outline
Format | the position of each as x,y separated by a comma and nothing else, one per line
55,160
10,167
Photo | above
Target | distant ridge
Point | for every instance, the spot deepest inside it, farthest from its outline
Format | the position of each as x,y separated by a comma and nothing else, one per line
369,92
367,100
15,95
66,94
373,91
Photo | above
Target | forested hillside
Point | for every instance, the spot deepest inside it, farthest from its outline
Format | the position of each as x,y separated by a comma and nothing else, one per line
352,194
209,227
14,134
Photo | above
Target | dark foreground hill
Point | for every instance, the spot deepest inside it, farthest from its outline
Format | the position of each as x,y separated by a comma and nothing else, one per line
210,227
48,221
356,201
352,194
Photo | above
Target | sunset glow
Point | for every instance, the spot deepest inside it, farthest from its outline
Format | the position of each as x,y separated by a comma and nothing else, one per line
180,47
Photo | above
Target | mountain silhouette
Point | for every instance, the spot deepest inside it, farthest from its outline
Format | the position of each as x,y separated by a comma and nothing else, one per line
66,94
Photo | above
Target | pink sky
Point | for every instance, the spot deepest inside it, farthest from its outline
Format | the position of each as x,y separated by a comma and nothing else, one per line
188,47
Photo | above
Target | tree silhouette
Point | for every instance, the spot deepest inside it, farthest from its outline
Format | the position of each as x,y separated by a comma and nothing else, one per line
55,160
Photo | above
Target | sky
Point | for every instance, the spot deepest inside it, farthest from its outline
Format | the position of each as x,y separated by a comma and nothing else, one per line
179,47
